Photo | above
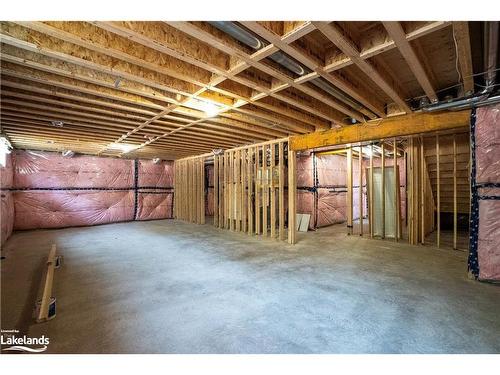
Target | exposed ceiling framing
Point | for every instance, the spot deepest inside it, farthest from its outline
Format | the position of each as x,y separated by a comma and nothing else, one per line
142,89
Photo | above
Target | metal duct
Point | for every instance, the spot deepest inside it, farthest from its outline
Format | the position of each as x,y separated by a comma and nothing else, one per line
490,62
455,103
282,59
490,100
238,33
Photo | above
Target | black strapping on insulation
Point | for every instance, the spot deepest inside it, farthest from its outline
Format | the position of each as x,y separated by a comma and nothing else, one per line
168,189
136,185
473,263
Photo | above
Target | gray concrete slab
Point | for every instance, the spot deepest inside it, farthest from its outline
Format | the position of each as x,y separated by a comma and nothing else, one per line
172,287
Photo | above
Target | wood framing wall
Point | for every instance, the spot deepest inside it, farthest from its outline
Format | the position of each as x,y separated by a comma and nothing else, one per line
249,188
189,189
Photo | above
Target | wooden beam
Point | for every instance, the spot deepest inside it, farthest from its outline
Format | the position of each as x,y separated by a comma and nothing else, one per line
371,191
312,64
349,191
454,192
438,193
406,125
337,37
462,38
360,166
397,33
292,196
376,47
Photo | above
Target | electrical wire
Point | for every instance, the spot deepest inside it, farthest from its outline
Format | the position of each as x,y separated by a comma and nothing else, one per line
456,54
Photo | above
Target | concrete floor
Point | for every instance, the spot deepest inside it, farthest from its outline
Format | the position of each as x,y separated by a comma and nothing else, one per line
172,287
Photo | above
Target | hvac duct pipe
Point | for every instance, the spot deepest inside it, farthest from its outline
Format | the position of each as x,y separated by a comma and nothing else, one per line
282,59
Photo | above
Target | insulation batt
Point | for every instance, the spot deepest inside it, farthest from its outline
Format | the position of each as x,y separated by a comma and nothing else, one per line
305,171
488,171
156,175
489,240
35,169
305,205
487,144
332,170
57,209
154,206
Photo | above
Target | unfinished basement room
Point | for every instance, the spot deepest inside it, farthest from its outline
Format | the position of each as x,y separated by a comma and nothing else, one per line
250,187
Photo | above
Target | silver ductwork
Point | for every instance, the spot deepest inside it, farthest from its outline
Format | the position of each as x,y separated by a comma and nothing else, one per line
284,60
490,62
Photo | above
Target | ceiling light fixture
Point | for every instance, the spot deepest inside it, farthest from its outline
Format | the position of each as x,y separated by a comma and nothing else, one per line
123,147
211,109
57,123
156,160
68,153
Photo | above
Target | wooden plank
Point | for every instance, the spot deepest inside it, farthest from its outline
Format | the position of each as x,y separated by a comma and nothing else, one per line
438,193
244,191
265,190
202,190
216,191
226,190
292,196
397,33
273,190
360,164
349,191
258,188
221,191
454,192
347,46
422,191
281,193
232,193
251,179
237,189
383,188
396,191
371,191
461,35
43,314
398,126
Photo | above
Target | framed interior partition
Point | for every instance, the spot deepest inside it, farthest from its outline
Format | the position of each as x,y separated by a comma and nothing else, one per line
255,188
189,187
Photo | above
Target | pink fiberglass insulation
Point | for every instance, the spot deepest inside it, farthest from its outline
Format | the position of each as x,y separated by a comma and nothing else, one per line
332,170
7,216
156,175
36,169
331,207
488,249
305,205
488,144
209,202
305,171
57,209
153,205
